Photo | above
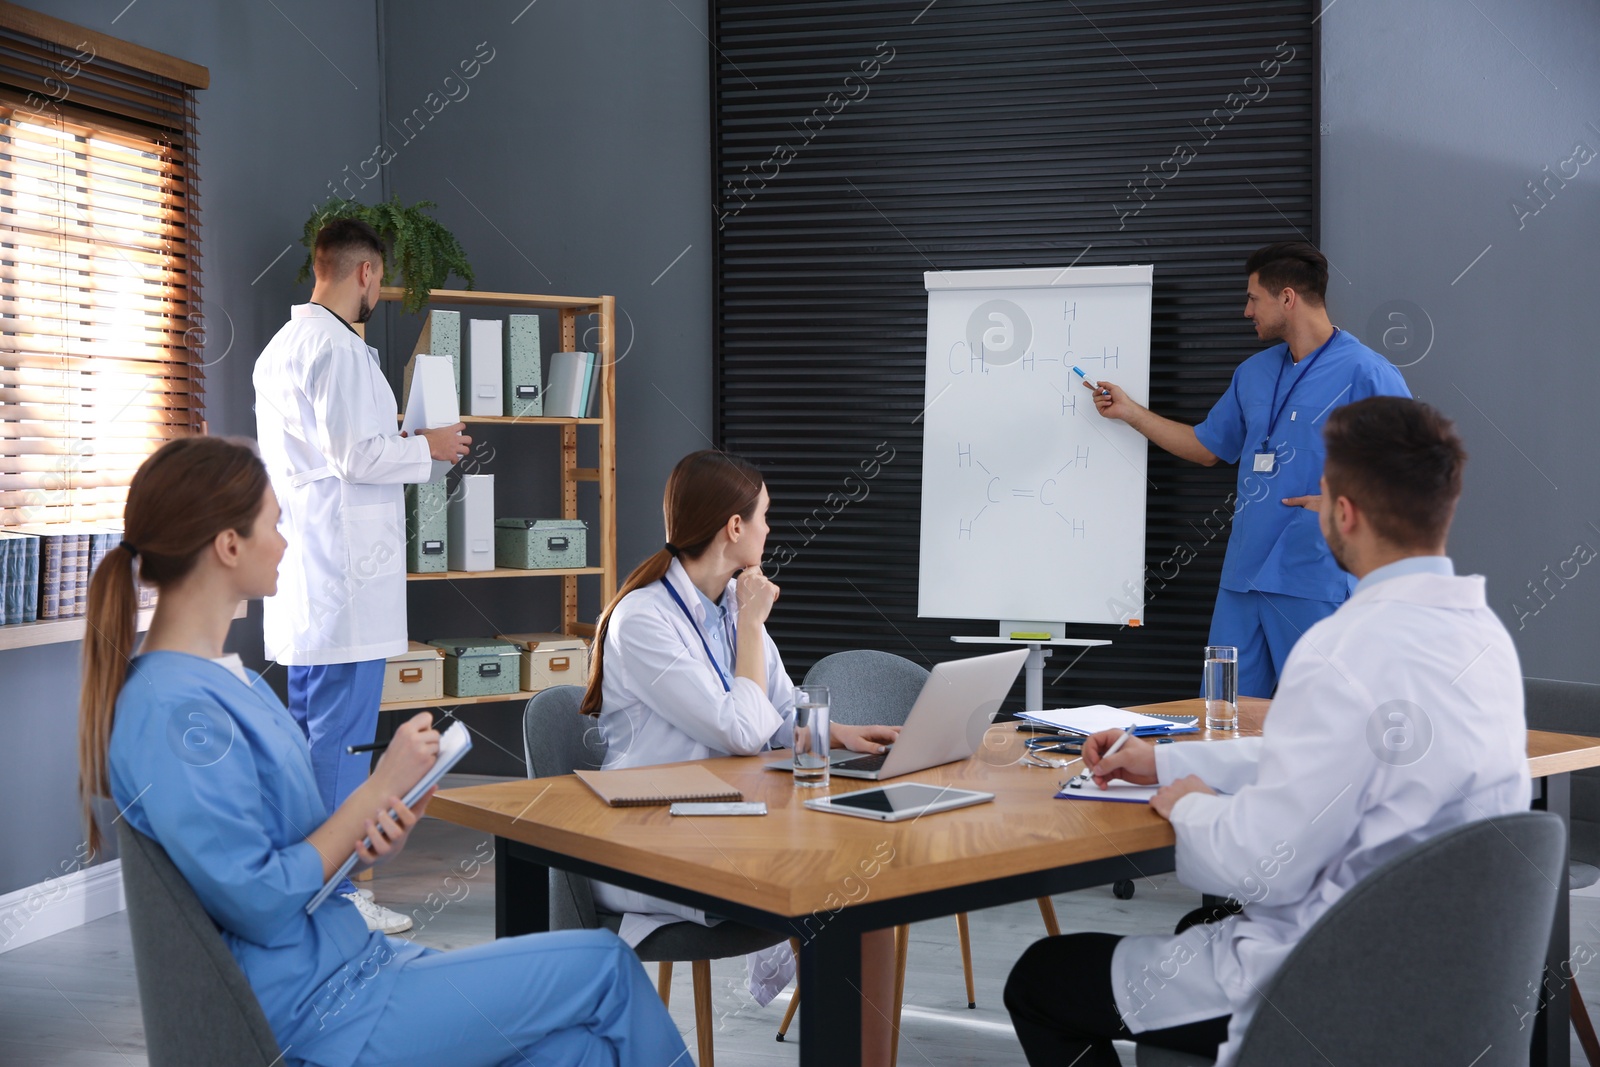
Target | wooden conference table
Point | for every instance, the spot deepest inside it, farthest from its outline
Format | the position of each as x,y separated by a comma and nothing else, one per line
826,878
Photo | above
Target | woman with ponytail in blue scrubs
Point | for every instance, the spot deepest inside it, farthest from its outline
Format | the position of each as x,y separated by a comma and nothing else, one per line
198,754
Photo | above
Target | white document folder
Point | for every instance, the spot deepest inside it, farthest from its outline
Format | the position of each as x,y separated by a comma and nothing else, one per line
432,402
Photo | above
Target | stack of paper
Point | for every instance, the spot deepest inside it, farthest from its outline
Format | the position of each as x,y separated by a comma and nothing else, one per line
1096,717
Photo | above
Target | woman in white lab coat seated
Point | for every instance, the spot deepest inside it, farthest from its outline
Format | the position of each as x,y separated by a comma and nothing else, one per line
197,753
683,669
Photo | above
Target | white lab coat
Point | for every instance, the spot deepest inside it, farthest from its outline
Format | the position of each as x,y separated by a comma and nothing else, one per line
662,702
327,423
1335,787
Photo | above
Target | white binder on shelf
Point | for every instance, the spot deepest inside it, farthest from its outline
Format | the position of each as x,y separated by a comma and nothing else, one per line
482,370
470,545
431,401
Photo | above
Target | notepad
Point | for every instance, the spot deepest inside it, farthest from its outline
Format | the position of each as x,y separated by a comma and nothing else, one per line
453,744
1116,789
639,786
1096,717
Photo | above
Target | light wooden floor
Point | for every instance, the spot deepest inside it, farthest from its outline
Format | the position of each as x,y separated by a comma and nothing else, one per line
71,1000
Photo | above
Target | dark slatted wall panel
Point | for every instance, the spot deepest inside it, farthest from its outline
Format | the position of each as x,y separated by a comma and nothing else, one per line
857,144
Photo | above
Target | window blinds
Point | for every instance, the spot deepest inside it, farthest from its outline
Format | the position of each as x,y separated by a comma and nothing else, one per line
100,342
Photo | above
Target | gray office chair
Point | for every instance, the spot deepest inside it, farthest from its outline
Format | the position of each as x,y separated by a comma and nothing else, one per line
1574,708
558,739
1419,962
198,1009
867,687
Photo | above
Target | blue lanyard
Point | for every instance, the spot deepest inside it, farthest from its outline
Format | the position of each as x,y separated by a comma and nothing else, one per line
1277,411
726,688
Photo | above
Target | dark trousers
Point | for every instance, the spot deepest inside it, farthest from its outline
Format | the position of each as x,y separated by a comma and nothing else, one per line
1060,1000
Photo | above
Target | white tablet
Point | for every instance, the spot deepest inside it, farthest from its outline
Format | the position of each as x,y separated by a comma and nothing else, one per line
903,800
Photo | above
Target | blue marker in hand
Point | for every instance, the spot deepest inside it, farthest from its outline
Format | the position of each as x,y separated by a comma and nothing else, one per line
1090,382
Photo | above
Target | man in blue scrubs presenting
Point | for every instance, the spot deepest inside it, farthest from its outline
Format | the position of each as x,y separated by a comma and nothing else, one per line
1278,578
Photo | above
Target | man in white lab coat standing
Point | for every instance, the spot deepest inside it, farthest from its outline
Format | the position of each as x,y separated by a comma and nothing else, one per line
1398,717
328,426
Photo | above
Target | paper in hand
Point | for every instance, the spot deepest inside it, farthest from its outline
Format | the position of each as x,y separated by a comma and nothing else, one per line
433,401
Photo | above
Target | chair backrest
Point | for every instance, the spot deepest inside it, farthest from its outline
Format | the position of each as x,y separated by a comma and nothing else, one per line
1433,958
558,739
198,1008
867,687
1571,708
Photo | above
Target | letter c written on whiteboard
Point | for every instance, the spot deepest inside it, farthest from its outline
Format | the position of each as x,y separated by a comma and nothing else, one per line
955,368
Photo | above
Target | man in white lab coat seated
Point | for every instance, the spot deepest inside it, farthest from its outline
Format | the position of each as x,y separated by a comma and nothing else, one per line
1397,718
329,432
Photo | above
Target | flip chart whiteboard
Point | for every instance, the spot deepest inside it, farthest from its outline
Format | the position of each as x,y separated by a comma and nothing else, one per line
1033,504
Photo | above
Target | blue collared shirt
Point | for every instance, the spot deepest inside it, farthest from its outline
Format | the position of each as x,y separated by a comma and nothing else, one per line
1410,565
1275,548
716,629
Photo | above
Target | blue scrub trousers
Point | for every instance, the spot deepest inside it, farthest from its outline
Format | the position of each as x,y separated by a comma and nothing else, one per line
1263,627
576,997
336,704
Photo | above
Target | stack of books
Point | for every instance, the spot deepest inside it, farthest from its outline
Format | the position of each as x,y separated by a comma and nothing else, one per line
1082,722
45,570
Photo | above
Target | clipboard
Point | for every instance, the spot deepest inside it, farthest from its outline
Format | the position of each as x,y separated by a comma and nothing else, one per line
453,744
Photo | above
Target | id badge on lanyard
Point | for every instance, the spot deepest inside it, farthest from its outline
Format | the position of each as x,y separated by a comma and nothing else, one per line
1266,460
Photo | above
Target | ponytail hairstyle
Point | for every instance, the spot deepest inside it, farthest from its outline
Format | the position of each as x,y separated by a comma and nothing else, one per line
704,491
181,498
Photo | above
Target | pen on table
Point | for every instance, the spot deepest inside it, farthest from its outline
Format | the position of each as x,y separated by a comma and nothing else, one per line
1088,380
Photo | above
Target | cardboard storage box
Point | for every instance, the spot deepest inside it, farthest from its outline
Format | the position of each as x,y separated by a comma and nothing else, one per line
415,674
551,659
479,666
540,544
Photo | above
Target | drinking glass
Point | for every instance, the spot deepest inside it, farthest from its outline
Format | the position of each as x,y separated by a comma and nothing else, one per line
811,742
1222,687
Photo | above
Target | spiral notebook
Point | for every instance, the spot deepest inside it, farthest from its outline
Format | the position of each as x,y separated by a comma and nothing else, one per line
639,786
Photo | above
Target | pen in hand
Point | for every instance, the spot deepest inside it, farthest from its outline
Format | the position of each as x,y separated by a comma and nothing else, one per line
1115,745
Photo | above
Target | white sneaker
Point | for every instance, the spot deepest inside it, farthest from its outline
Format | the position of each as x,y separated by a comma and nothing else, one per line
379,918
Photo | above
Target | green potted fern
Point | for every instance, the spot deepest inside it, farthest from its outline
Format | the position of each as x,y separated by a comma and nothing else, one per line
422,252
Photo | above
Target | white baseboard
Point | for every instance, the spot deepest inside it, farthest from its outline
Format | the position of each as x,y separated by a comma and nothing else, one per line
38,911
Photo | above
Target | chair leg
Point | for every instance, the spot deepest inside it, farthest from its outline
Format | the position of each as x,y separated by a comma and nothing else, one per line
1581,1023
966,957
664,982
902,941
702,1009
1047,908
794,1001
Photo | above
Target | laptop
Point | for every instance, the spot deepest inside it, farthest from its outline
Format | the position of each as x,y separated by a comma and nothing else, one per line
957,703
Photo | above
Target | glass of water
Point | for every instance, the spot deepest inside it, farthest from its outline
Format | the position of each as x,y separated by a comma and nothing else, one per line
811,742
1222,687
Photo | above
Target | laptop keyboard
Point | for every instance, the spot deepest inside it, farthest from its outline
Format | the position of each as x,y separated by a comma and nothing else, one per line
873,762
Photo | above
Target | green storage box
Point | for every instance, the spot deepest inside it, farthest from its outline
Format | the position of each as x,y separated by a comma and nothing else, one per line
427,527
480,666
521,380
539,544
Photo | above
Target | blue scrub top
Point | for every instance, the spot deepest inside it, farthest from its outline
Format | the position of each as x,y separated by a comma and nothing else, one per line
219,774
1275,548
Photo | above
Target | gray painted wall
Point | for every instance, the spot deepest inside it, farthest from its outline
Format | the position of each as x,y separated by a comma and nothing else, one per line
561,172
1435,119
278,122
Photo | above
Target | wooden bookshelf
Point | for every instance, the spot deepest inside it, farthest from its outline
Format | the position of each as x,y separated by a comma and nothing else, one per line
504,572
451,702
603,475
